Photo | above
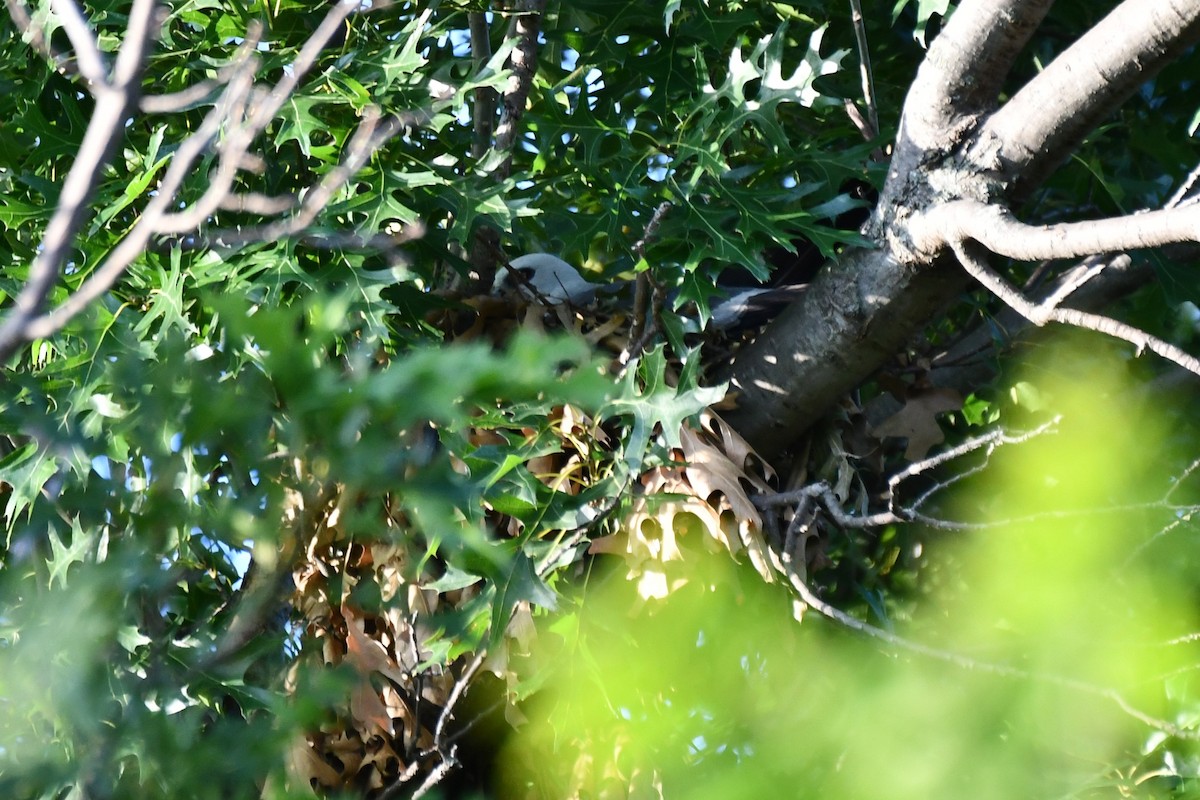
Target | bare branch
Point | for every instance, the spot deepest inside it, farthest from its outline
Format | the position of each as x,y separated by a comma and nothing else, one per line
181,100
87,52
1035,131
456,694
809,598
1039,314
37,39
436,775
366,141
864,66
523,60
256,203
330,26
793,568
996,229
803,499
104,130
242,110
1185,188
193,95
646,315
484,115
524,66
129,248
144,22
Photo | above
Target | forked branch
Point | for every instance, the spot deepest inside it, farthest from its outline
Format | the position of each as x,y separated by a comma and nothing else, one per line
240,113
968,226
1052,114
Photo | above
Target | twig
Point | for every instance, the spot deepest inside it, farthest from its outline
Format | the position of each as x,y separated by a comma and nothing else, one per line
172,102
87,52
460,688
1189,183
437,774
116,95
484,115
647,295
1040,314
37,39
641,312
964,662
418,681
864,67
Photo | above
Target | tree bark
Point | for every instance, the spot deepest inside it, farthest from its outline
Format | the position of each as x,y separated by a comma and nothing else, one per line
951,145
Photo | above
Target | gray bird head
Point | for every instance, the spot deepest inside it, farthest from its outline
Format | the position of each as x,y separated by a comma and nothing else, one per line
554,280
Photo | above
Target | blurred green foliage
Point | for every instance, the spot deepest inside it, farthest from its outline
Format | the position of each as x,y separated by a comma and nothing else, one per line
1038,630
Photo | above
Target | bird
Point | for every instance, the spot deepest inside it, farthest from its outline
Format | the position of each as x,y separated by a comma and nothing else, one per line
546,278
549,279
752,308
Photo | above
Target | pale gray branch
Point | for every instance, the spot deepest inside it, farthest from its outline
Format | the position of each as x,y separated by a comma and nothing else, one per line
265,112
129,248
194,95
962,224
264,205
114,101
810,599
968,62
243,110
1035,131
995,227
87,52
1040,314
366,141
1185,188
37,38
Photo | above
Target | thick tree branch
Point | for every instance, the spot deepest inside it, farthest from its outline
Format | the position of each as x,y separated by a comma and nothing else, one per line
37,39
1035,131
967,64
857,314
960,79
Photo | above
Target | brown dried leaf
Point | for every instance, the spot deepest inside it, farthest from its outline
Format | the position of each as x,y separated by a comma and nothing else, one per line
365,653
305,766
917,421
368,710
738,450
709,470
